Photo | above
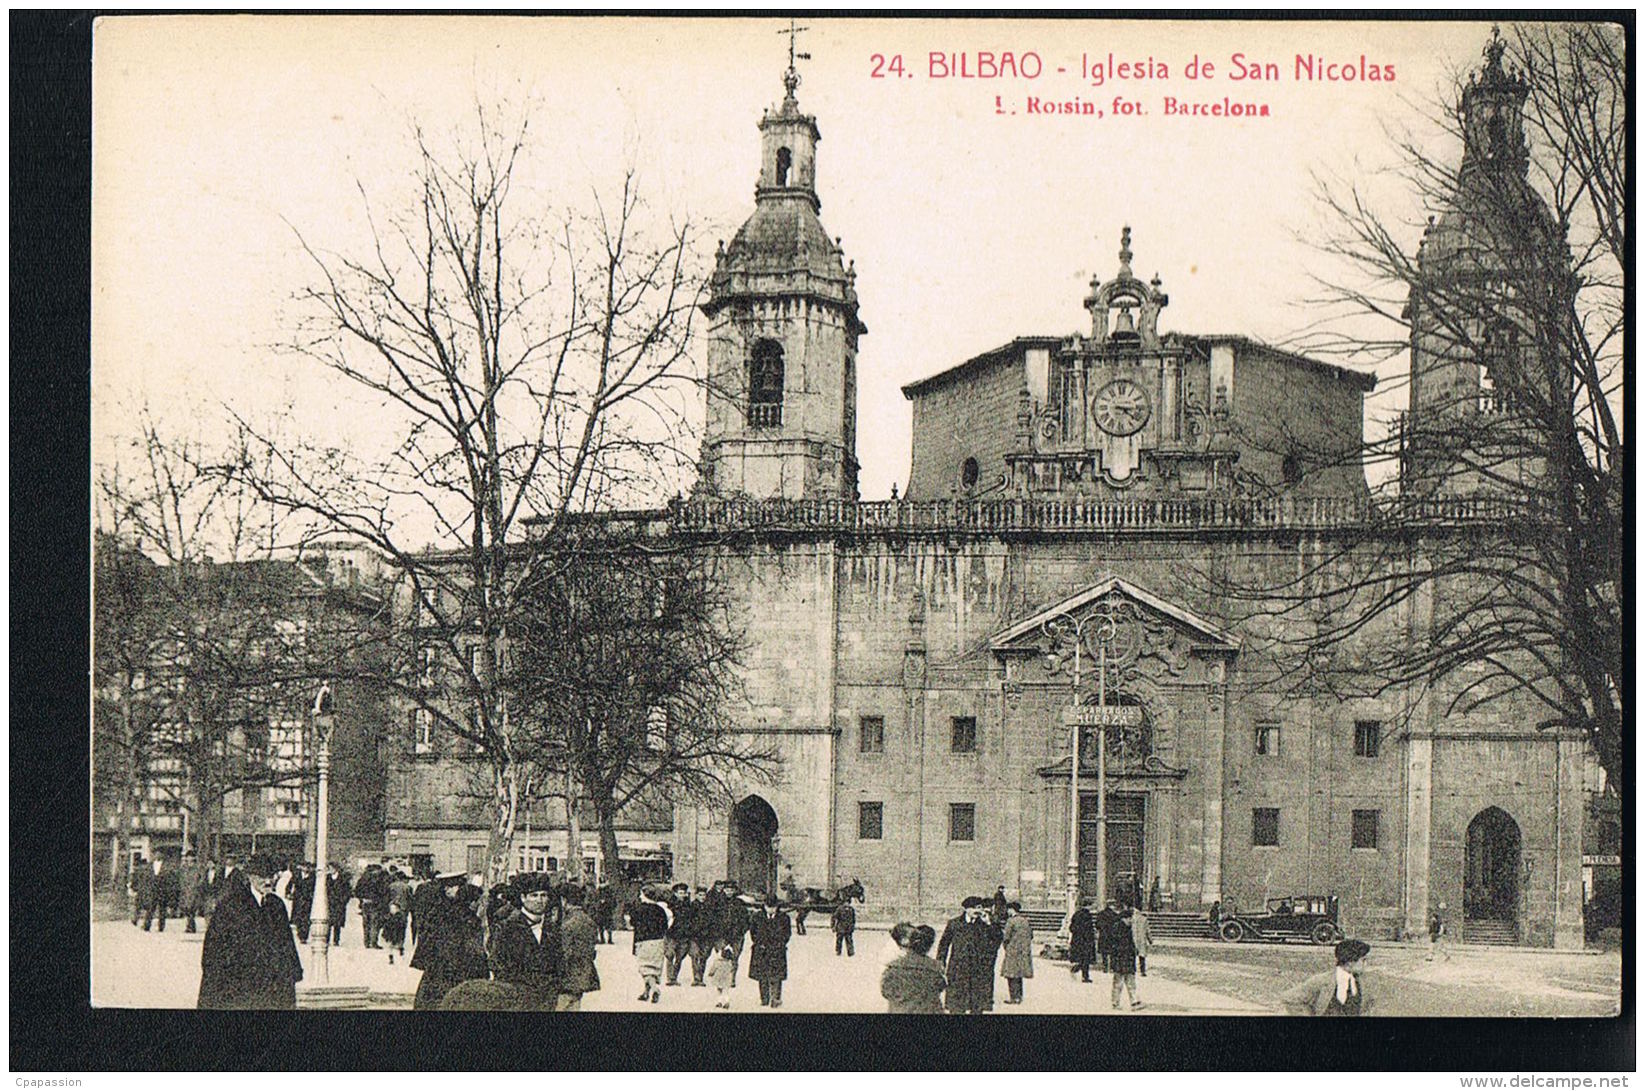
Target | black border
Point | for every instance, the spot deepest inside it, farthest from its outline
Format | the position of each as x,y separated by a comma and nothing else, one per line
53,1027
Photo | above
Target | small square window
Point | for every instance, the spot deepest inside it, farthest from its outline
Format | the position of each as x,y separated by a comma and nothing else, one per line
870,821
964,740
871,737
962,821
1265,826
1267,738
1365,829
1367,738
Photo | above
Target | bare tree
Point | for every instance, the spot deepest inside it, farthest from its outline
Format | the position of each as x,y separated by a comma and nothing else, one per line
627,664
210,635
522,368
1493,568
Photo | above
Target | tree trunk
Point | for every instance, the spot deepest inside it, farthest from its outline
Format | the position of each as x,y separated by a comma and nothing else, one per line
607,819
573,830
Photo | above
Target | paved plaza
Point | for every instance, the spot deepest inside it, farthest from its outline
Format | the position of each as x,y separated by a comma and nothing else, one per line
132,968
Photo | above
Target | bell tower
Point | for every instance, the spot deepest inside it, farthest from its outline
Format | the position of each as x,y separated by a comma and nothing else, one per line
1494,247
783,330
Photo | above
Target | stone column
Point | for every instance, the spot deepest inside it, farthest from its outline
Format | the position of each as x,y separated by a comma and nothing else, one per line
1568,809
1216,779
1419,812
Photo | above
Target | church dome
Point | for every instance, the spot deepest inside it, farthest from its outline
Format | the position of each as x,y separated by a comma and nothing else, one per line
783,235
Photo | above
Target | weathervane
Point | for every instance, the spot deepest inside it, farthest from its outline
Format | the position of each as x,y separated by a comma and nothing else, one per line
791,78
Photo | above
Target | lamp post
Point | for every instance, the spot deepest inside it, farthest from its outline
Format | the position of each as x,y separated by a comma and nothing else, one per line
1100,627
319,935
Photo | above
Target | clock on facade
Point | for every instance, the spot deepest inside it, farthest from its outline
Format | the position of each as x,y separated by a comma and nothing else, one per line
1120,408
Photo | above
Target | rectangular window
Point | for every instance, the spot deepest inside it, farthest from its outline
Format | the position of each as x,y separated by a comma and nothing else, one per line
1267,741
476,859
962,821
870,821
871,737
1265,826
422,730
1365,829
964,739
1367,738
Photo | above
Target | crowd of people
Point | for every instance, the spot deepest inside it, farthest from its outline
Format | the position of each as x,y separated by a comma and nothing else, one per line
532,946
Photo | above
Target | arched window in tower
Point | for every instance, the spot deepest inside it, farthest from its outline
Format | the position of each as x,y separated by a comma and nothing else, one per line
785,159
970,472
765,385
1499,373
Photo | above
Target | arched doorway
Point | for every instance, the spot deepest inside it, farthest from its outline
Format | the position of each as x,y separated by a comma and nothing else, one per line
1490,875
752,861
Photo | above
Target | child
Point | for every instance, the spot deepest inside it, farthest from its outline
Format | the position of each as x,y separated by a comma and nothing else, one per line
721,972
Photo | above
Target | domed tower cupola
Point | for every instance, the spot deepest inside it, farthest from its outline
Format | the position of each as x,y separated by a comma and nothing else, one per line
1111,305
1492,116
782,347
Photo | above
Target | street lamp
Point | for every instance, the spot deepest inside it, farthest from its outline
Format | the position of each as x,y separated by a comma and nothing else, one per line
1097,630
319,935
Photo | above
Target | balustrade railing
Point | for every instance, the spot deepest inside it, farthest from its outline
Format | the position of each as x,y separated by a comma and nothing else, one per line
1028,515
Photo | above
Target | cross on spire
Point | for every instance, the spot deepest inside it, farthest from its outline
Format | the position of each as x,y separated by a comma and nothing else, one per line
791,78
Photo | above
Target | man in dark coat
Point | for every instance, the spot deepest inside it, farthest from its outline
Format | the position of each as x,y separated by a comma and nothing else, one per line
768,954
141,886
302,900
699,934
731,924
1122,957
577,933
969,947
1104,922
372,893
450,938
1082,943
605,912
249,958
167,892
338,892
190,890
678,941
997,912
844,923
526,949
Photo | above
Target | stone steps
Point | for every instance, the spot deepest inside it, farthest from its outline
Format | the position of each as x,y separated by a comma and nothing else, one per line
1161,925
1494,933
335,997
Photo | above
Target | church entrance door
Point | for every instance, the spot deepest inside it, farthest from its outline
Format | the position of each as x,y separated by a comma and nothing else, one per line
1491,861
752,859
1127,849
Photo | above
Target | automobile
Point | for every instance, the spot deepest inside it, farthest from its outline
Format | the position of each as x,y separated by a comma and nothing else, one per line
1311,917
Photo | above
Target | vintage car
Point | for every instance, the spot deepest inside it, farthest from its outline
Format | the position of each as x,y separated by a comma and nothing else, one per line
1311,917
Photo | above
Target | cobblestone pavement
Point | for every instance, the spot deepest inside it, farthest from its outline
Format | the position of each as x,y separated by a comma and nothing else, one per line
131,968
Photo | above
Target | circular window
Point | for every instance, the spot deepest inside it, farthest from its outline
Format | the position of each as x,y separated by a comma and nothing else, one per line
969,473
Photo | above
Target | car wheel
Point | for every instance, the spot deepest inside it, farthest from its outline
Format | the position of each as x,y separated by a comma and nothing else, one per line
1231,931
1326,932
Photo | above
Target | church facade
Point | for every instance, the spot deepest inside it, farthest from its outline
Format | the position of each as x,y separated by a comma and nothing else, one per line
1022,673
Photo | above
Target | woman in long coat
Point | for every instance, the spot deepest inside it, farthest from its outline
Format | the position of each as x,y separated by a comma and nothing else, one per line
1082,943
450,940
1018,960
768,952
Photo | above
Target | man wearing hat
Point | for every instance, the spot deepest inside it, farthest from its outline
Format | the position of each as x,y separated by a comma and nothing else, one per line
969,946
1339,991
249,958
450,938
768,951
525,946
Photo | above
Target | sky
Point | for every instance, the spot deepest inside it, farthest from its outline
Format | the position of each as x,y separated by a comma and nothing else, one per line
971,216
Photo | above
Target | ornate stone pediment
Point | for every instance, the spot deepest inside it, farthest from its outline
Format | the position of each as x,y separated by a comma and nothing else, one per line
1138,631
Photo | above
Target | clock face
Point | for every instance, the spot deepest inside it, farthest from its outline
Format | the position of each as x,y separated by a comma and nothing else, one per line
1120,408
